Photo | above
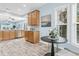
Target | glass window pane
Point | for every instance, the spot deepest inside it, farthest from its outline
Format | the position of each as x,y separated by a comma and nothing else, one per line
63,31
77,12
77,24
77,33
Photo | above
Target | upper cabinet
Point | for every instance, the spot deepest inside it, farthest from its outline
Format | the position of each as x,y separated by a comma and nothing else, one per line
33,18
29,18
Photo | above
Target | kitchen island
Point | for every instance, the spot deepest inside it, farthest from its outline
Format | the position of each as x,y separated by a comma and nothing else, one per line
32,36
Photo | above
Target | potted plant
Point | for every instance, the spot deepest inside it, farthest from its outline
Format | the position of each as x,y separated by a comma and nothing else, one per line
14,26
53,33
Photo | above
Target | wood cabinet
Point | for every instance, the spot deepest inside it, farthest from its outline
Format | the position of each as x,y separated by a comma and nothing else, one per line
1,34
32,37
36,37
12,34
26,35
29,19
6,35
33,18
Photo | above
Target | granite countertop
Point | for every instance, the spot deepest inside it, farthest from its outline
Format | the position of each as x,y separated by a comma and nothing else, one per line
21,30
28,29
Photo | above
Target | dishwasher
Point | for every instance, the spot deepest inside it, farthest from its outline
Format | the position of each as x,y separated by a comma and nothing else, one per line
18,34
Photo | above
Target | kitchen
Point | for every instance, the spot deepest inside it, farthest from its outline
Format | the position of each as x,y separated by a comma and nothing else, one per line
11,29
23,25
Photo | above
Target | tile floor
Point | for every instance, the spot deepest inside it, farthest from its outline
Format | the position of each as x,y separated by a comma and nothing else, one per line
20,47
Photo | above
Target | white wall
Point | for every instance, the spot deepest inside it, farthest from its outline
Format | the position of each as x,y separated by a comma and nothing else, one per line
20,21
49,9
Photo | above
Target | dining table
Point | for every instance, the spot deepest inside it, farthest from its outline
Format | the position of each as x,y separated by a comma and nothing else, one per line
53,41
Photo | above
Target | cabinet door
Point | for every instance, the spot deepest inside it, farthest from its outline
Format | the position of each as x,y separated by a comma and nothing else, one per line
26,35
38,18
5,35
1,35
29,18
12,34
35,18
30,39
36,37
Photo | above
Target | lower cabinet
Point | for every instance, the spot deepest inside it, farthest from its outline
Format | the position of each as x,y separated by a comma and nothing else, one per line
26,35
1,33
12,35
32,37
7,35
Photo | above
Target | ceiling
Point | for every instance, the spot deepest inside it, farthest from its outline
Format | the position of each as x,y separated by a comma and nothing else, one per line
19,9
